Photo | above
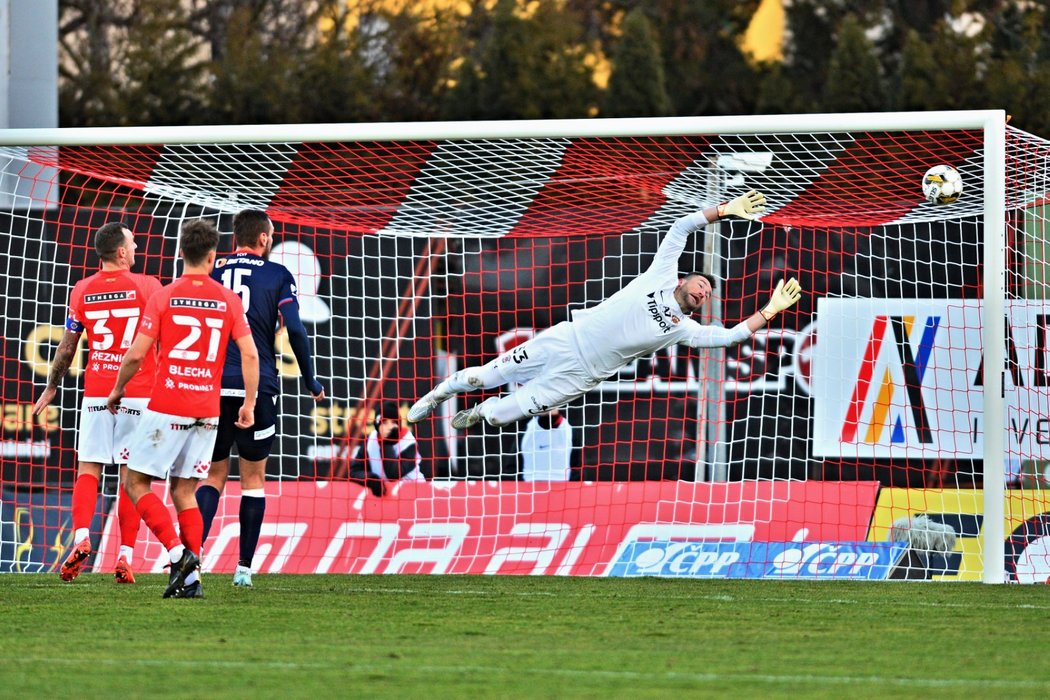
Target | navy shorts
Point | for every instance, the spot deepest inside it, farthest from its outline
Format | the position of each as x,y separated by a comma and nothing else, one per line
253,443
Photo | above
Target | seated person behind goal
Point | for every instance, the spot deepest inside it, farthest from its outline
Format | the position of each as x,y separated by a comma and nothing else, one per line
390,453
651,313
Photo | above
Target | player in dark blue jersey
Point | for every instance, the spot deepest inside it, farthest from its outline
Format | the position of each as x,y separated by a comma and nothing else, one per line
268,292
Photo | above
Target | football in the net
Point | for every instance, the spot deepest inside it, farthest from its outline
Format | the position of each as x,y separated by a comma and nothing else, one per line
942,184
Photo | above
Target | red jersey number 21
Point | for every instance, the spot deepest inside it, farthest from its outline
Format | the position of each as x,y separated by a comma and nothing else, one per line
188,348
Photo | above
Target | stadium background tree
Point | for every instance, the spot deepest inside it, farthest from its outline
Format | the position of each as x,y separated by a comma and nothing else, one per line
88,94
1018,73
775,94
254,77
854,82
807,56
703,62
163,66
636,85
917,80
958,82
418,45
334,62
525,67
146,62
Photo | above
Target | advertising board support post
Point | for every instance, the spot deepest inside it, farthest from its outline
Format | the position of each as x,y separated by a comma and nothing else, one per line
725,171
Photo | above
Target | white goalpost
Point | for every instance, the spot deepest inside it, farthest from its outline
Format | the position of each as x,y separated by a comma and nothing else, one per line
821,448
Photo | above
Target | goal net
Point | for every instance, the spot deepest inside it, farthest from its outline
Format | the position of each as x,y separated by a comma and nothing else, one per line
859,451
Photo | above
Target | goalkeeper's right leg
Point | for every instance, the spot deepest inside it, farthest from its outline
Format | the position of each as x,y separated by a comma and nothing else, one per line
468,379
426,405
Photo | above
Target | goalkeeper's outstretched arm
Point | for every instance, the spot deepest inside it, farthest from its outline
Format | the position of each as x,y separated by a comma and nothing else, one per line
749,205
786,295
752,205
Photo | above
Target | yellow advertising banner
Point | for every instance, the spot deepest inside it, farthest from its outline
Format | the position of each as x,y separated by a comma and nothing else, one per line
1026,528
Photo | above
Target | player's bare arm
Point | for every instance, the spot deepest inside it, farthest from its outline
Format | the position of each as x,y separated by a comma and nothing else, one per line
140,347
67,350
250,372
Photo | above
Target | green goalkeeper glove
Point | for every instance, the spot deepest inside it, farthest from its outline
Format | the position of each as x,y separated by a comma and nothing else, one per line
747,206
784,297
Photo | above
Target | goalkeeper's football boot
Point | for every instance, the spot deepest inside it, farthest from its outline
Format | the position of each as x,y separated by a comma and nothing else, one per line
190,590
122,572
75,561
426,405
186,564
468,418
242,577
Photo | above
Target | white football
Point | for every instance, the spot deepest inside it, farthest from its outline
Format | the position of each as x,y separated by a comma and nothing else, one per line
942,184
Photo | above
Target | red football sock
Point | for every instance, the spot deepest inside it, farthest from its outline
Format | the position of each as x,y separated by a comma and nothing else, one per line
191,528
157,519
85,495
128,518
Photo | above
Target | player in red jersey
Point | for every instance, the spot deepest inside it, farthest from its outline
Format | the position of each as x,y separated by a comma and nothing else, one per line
191,321
107,305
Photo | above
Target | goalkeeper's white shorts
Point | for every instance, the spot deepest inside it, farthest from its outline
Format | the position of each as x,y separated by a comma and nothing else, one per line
549,370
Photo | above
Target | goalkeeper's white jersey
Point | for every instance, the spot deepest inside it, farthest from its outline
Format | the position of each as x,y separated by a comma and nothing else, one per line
644,316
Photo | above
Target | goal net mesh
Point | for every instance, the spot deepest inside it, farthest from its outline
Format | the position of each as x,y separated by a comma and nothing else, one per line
782,457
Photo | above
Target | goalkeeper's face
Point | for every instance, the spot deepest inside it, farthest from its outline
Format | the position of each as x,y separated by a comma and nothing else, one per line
692,292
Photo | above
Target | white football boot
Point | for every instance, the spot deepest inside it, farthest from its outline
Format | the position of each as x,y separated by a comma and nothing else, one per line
426,405
468,418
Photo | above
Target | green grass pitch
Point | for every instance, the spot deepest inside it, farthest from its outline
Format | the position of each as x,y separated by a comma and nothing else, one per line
536,637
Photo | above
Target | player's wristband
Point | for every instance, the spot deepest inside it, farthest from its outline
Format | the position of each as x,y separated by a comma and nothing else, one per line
768,315
722,209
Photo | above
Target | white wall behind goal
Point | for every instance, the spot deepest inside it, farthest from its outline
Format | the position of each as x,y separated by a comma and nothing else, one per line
28,81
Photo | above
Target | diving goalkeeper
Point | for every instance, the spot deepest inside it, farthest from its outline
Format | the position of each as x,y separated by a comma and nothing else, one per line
651,313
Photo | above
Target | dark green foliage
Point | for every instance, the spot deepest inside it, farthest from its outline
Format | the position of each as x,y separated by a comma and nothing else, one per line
525,68
88,93
418,48
854,82
254,78
331,81
636,86
805,70
775,92
1018,73
706,71
163,67
238,61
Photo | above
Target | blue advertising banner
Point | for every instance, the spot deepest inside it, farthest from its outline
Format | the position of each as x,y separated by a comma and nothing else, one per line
777,560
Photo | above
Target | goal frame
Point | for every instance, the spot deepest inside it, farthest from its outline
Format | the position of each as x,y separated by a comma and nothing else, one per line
991,122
